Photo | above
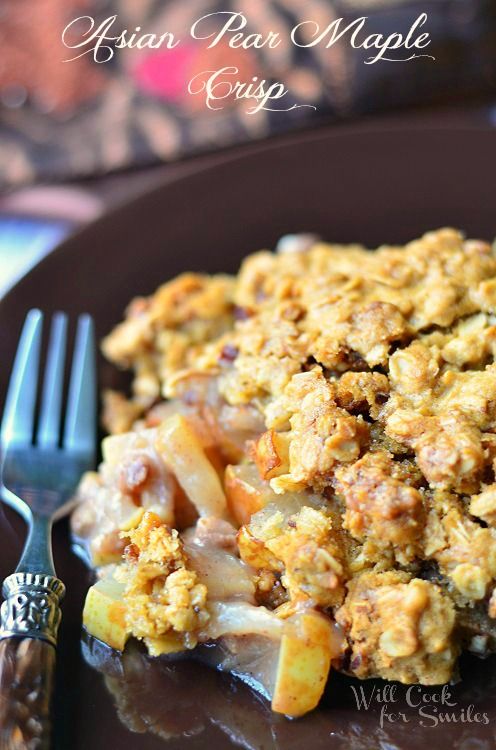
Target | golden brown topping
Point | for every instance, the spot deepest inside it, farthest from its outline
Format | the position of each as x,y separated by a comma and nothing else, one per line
464,550
413,369
374,328
399,628
312,557
359,391
472,393
160,333
484,505
352,396
253,550
161,593
322,434
448,448
380,504
304,547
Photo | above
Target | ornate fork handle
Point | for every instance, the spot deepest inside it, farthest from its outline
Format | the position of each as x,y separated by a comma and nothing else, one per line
30,617
31,607
41,464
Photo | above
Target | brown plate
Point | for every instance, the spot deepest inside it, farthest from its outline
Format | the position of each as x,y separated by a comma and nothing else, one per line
358,184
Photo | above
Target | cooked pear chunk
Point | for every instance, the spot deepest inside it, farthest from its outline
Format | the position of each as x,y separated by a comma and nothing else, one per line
304,663
104,615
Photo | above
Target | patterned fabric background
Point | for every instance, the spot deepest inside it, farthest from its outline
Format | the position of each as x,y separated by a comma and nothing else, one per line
65,120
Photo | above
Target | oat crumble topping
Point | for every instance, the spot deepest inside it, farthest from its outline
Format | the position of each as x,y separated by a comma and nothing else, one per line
346,399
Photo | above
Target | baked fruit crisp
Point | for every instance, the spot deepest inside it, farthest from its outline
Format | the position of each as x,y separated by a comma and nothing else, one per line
305,472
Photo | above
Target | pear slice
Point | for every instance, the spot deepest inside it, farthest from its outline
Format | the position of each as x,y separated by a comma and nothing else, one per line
182,451
104,614
170,643
303,665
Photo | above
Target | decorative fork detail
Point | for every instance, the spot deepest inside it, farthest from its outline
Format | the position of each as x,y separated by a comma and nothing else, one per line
39,470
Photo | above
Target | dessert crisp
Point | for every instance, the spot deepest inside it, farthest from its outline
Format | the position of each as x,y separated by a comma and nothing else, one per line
304,474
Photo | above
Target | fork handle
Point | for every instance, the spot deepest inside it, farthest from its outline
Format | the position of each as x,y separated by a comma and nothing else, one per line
27,667
30,616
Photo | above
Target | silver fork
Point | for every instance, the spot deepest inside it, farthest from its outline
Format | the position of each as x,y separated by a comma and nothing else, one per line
39,469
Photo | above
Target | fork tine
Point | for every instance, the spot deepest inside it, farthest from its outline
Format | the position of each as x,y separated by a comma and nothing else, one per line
53,384
80,420
19,411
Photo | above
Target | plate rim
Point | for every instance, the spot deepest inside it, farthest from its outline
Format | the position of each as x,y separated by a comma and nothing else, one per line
243,152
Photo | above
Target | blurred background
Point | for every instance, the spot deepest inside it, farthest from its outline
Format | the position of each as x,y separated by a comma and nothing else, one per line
78,137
